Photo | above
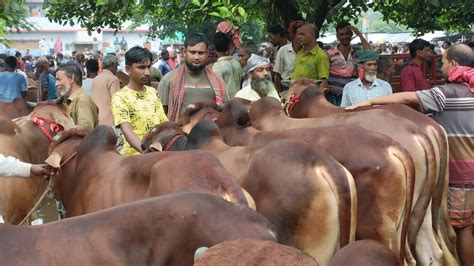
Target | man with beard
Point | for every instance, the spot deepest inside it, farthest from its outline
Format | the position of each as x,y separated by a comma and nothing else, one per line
342,69
452,106
191,82
260,84
368,86
81,108
137,107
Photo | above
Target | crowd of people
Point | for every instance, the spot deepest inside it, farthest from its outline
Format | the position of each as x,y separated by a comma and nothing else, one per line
350,75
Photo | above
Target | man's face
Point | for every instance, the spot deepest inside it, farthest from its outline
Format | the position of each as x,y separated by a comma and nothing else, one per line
140,72
261,72
261,80
344,35
274,39
425,53
80,58
63,83
243,56
370,70
305,35
196,57
390,70
447,65
166,56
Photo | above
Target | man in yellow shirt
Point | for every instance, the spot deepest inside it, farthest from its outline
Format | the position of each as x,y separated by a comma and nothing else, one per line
136,107
311,61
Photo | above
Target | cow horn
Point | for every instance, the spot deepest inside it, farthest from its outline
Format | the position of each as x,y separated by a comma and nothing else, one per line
199,252
156,146
191,107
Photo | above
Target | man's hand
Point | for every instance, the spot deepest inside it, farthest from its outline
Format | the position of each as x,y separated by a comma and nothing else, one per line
42,170
362,104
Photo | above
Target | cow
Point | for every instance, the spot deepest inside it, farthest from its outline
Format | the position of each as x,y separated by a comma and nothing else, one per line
383,171
364,253
253,252
98,177
310,102
305,193
267,115
17,108
163,230
28,140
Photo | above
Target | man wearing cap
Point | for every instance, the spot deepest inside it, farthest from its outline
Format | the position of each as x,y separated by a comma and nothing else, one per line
368,86
260,84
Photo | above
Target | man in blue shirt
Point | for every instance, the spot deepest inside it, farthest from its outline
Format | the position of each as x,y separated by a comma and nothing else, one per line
368,86
164,67
47,81
12,84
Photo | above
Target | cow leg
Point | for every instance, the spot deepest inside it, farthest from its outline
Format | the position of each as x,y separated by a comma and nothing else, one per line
428,252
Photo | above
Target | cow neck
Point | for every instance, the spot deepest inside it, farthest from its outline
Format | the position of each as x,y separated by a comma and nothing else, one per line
324,108
176,142
215,145
235,136
35,143
62,187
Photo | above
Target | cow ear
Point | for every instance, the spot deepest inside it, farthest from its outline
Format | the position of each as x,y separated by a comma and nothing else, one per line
156,146
54,160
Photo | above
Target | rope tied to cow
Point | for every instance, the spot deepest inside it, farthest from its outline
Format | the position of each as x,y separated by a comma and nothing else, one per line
53,126
290,107
171,142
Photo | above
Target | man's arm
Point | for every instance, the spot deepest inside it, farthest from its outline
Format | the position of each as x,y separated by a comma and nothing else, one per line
323,70
364,42
86,115
131,137
408,98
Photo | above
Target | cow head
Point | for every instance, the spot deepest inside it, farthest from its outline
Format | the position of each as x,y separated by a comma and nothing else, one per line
234,114
52,111
160,135
298,86
198,111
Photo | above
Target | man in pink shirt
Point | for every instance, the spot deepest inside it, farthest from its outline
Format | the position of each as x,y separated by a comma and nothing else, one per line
58,46
412,76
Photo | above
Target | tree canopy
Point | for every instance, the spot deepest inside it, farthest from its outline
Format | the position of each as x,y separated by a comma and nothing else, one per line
12,16
165,17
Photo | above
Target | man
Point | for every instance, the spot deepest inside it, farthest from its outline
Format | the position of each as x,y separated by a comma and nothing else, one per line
92,67
412,76
123,44
342,69
29,64
12,167
311,61
80,106
117,44
260,84
137,108
20,64
385,69
12,84
368,86
103,87
43,46
80,59
171,59
226,67
192,82
277,36
60,60
164,67
244,53
233,32
58,46
47,81
452,105
285,64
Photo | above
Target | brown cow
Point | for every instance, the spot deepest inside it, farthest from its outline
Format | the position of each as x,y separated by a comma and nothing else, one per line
267,115
17,108
383,171
312,103
159,231
29,143
305,193
255,252
364,253
99,177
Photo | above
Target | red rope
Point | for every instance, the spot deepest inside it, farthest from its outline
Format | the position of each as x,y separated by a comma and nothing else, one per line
68,159
294,100
53,126
172,141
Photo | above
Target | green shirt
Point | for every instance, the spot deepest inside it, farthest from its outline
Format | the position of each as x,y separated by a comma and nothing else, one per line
314,65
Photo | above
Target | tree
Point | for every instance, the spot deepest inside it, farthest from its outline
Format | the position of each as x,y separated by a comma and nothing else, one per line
165,17
12,17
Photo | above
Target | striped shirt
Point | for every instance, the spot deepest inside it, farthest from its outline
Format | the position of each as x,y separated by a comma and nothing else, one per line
452,106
